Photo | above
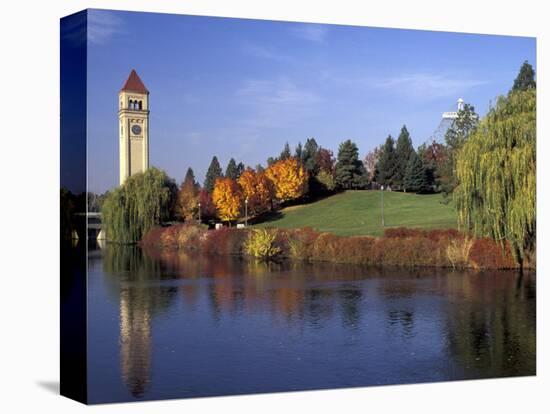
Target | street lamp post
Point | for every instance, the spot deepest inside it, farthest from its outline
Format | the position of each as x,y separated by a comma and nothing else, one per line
246,212
382,204
199,213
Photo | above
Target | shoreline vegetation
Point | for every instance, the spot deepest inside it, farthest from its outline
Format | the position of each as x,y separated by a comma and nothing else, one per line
485,170
400,247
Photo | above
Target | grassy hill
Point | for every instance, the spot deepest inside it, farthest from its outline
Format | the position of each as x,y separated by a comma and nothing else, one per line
359,213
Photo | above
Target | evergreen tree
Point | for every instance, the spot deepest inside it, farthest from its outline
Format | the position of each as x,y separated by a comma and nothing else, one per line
387,163
416,179
298,152
309,155
404,150
190,177
349,171
231,171
525,79
456,136
214,172
285,153
240,169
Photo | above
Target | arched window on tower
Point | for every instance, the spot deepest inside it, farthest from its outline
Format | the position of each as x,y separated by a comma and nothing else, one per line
130,104
140,105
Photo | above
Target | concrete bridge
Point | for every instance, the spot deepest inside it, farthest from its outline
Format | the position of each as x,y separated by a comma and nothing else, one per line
91,221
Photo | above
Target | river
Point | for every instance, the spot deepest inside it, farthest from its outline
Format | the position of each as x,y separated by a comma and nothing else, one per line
170,325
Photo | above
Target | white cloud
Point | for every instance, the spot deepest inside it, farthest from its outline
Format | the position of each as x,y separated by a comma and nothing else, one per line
312,32
417,85
280,92
102,25
275,102
426,85
265,53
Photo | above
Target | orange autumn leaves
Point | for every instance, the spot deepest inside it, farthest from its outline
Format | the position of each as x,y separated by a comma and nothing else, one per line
227,198
257,189
289,179
284,180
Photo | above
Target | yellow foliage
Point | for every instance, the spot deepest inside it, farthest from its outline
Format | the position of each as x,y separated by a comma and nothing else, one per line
227,198
289,179
261,244
257,189
458,252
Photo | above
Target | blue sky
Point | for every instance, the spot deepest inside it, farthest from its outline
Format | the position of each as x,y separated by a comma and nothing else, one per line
242,88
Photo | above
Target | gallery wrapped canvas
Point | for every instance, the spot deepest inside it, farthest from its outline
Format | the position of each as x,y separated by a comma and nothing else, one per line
252,206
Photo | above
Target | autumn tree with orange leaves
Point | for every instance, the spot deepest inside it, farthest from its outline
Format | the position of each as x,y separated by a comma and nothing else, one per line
289,179
188,197
258,189
227,197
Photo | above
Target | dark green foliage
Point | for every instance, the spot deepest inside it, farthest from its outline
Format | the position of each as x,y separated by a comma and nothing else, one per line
240,169
349,171
455,138
143,201
404,150
67,211
433,157
416,178
387,163
462,127
214,172
190,177
298,151
231,171
285,153
309,156
525,79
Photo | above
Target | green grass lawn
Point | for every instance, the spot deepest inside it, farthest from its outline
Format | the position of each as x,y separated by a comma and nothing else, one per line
359,213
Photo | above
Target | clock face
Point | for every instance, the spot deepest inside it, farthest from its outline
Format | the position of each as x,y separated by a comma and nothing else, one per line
136,129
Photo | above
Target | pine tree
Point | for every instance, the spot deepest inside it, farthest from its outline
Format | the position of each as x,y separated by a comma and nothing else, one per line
416,179
349,171
456,136
214,171
387,163
525,79
309,155
298,152
404,150
240,169
285,153
231,171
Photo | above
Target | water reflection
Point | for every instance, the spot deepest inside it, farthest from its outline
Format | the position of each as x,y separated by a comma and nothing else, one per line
133,277
214,326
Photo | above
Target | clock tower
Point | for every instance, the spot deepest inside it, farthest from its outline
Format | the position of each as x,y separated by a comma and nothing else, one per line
133,116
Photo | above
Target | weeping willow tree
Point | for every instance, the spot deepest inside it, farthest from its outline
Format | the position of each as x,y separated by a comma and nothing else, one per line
496,173
143,201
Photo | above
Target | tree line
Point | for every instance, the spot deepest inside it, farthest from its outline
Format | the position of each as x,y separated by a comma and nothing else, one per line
486,167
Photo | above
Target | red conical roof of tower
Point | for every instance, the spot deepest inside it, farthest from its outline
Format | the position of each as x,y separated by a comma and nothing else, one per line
134,83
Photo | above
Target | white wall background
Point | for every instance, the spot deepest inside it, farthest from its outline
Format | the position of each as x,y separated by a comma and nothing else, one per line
29,163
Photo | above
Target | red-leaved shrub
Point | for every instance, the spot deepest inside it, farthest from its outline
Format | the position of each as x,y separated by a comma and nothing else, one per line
224,241
488,254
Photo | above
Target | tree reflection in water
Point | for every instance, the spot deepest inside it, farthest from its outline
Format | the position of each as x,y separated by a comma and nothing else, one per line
485,322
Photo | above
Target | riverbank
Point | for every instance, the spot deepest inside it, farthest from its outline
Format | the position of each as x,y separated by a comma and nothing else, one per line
397,247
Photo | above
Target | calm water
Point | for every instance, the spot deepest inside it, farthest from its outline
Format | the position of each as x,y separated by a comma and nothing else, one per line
173,326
